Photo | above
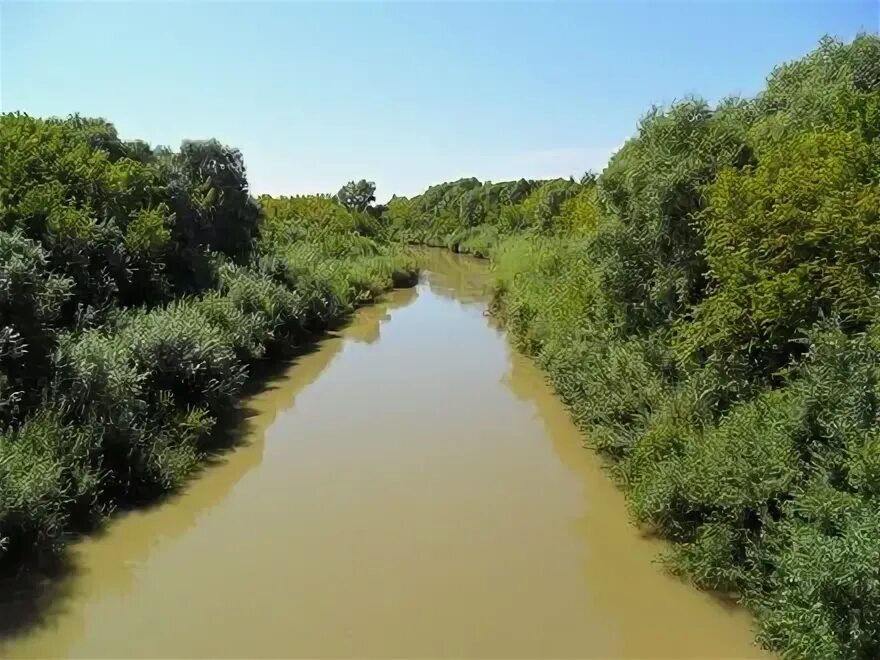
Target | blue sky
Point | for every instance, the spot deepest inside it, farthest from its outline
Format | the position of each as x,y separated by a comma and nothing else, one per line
408,93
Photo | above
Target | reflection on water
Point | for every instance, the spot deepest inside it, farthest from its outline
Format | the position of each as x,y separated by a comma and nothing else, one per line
463,280
410,489
367,325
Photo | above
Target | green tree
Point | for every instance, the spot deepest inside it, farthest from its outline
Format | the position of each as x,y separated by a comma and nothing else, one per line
357,195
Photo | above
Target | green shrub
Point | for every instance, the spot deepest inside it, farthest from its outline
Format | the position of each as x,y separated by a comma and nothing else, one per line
31,301
823,598
45,480
818,190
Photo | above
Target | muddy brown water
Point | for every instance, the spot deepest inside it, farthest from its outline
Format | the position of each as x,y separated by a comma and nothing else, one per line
411,489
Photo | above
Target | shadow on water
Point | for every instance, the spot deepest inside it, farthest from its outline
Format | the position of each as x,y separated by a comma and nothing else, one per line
34,595
38,595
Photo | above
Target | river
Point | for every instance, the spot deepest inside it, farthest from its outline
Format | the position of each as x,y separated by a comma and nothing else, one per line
411,488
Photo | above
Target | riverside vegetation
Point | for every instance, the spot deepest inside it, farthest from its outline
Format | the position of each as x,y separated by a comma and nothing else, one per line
708,309
137,288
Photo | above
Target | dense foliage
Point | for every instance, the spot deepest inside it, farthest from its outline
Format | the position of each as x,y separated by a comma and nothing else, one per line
469,216
357,195
137,285
707,307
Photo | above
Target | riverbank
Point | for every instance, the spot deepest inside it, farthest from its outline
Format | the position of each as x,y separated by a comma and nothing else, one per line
706,306
171,455
140,287
449,512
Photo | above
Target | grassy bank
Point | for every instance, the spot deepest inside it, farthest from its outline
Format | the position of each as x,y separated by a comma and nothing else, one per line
138,287
707,308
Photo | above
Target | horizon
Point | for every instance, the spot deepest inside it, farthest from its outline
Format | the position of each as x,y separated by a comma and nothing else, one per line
404,94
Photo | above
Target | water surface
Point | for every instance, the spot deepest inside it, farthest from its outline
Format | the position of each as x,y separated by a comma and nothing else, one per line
410,489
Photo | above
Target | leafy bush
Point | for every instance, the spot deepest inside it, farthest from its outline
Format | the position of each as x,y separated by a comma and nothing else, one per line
31,300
